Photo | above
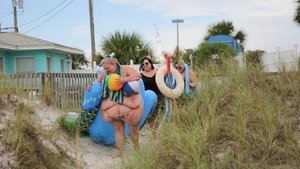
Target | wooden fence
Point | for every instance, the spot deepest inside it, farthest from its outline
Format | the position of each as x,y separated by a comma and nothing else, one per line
64,90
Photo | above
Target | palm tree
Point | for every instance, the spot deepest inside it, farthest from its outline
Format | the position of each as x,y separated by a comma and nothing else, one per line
297,15
226,28
126,46
78,60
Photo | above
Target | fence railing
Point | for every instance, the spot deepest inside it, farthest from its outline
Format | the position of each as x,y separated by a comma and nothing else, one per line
64,90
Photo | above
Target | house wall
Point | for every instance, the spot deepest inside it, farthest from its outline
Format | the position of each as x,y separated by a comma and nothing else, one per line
8,63
56,58
40,61
12,56
56,63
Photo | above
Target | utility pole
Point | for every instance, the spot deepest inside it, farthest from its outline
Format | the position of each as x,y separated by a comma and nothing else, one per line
177,21
92,30
14,4
15,17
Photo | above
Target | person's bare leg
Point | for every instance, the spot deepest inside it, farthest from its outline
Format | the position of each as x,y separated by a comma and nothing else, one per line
119,131
134,135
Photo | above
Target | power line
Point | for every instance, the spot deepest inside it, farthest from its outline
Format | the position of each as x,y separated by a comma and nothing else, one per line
50,17
5,14
40,17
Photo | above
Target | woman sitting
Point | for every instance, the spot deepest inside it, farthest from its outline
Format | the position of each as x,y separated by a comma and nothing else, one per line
192,80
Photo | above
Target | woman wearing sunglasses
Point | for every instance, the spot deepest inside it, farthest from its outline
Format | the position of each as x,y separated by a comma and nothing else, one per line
148,72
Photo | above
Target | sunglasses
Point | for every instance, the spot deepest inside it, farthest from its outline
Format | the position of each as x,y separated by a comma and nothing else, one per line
146,63
178,67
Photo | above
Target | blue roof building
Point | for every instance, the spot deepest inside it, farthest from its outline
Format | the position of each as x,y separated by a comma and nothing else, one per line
226,39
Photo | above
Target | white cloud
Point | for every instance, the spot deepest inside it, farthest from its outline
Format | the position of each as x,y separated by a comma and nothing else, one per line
208,7
77,31
267,23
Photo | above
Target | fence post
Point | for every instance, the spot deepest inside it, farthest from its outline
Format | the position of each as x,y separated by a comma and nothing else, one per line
43,84
295,51
278,52
296,55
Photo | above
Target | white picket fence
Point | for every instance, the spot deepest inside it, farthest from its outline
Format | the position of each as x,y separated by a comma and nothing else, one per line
282,59
276,61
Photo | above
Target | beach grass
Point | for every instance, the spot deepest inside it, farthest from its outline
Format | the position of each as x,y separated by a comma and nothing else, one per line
238,118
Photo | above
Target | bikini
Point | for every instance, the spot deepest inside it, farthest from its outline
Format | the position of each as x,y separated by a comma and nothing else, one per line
116,117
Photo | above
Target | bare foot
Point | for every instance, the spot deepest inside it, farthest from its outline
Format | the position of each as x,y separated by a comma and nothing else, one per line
136,147
117,154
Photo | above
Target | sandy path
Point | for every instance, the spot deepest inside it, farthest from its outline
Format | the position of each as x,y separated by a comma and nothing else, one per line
96,156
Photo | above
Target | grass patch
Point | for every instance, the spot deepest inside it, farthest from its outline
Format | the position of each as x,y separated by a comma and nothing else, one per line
237,119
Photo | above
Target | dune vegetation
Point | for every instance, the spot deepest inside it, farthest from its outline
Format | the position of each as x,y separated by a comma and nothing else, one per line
238,118
22,136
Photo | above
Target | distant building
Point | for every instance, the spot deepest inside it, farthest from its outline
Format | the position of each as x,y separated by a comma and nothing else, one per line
20,53
226,39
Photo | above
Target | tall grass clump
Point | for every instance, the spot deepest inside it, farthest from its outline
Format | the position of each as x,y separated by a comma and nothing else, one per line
238,118
34,147
7,89
48,93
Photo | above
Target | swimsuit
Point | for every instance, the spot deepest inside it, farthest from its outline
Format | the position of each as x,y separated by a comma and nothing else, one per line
116,117
150,84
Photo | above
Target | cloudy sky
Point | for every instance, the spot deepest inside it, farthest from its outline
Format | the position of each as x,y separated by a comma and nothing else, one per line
267,23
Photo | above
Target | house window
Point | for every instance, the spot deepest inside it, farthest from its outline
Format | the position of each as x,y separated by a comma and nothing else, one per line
1,65
25,65
49,63
62,65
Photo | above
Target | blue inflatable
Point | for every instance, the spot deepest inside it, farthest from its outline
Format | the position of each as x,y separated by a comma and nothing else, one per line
103,132
92,97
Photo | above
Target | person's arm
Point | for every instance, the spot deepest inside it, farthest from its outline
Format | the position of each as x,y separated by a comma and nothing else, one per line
101,76
130,74
193,79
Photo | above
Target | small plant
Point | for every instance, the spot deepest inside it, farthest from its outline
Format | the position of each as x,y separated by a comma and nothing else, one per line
69,123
